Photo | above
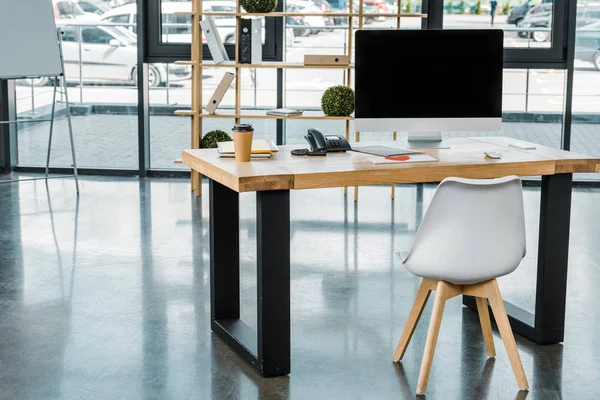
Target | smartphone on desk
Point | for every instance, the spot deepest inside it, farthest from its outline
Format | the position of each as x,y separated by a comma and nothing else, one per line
331,143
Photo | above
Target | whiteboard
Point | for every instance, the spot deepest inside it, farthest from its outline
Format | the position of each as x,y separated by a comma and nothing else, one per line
28,42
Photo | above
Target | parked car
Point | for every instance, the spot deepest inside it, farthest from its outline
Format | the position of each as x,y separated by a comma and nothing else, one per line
536,21
303,6
587,44
98,7
176,27
341,6
379,4
69,9
540,10
325,7
587,13
517,13
298,26
108,55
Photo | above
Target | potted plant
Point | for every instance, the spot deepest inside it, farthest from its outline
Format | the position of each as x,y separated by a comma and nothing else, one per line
338,101
258,6
209,141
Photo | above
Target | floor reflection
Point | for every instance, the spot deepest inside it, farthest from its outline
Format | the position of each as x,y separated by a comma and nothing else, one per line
107,296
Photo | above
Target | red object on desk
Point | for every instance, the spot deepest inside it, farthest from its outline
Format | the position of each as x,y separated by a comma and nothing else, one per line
398,158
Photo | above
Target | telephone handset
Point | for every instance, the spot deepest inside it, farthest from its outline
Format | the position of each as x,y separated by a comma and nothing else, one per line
331,143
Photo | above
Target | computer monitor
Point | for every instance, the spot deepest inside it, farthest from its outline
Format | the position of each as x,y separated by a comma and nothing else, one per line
426,82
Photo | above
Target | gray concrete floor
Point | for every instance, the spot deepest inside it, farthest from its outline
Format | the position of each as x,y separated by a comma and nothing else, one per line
110,141
106,296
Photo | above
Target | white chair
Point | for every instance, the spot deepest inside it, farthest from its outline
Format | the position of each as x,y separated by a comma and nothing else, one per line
472,233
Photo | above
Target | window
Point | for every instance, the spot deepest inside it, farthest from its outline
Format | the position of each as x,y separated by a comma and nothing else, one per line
534,17
95,36
69,34
99,74
167,35
176,28
96,8
586,88
119,19
67,9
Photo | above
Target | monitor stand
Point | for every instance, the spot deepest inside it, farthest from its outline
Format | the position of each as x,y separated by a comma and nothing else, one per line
426,140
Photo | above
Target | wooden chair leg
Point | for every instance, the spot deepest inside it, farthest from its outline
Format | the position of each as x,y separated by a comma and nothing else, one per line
486,326
413,317
506,332
434,328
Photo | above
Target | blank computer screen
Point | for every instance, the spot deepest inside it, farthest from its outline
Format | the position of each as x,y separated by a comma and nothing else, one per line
429,74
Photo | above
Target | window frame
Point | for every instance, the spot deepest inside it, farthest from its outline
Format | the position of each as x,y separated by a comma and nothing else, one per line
553,57
156,51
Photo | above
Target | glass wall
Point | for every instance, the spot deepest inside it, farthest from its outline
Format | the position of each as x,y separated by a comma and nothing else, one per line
526,23
585,132
100,56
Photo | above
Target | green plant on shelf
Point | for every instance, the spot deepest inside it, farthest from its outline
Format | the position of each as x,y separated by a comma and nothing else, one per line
450,7
462,6
209,141
478,8
338,101
258,6
408,8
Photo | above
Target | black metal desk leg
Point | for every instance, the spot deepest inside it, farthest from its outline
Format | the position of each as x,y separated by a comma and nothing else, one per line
553,255
267,350
547,324
224,252
273,280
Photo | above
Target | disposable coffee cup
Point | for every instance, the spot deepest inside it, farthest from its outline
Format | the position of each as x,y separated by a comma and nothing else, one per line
242,142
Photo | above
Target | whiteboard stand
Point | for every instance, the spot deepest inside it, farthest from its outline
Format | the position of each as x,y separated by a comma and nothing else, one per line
63,85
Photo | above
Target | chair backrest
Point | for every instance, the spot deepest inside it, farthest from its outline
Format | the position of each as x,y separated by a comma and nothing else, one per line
474,229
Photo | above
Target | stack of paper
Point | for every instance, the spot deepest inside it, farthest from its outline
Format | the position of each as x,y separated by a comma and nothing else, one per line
260,149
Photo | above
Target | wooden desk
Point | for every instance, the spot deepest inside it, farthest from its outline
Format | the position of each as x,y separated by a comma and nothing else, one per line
268,350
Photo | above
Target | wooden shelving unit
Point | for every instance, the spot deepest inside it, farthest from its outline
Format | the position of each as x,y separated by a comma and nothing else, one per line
196,111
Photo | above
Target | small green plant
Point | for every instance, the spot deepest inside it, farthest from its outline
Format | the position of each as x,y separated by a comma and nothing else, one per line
462,7
258,6
450,7
338,101
478,8
506,8
209,141
408,6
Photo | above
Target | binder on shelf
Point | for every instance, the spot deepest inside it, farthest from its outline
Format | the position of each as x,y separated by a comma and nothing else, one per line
219,93
250,41
213,39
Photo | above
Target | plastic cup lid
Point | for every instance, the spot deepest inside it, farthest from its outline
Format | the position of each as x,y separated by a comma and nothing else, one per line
243,128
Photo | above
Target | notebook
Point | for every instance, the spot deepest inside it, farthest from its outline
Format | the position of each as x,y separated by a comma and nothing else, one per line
259,146
412,159
252,156
284,112
384,151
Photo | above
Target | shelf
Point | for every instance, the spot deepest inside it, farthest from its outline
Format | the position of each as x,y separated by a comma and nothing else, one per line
270,64
185,112
297,14
261,114
186,63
